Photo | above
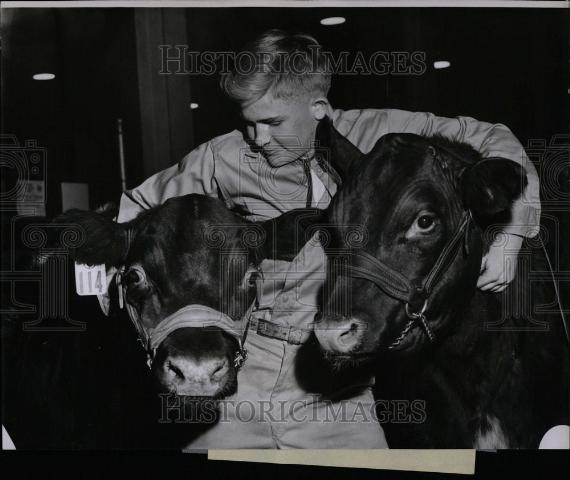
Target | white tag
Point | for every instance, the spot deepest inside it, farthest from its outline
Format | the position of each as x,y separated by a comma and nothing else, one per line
90,280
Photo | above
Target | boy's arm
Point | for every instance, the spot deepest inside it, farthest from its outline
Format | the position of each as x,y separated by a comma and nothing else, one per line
498,266
193,174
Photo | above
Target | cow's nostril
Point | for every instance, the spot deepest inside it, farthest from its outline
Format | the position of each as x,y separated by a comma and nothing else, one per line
219,369
174,369
343,338
349,335
352,329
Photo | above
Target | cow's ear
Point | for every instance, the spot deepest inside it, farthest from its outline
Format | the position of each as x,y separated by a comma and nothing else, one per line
102,241
491,186
286,235
335,149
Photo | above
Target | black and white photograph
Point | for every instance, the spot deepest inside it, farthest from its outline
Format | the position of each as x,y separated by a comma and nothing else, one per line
285,225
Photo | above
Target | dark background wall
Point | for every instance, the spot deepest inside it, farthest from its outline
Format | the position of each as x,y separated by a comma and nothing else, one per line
507,65
92,52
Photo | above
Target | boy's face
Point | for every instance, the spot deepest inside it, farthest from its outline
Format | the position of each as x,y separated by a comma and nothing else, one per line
283,128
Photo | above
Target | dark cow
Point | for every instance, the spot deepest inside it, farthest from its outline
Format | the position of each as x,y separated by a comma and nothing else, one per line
404,239
187,264
63,358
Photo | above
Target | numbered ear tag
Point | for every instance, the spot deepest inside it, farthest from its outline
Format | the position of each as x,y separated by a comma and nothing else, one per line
90,280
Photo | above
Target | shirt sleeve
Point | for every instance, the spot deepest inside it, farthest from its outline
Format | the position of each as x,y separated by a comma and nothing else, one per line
193,174
491,140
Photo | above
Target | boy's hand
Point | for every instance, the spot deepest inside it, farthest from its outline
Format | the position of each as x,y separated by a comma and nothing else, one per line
499,265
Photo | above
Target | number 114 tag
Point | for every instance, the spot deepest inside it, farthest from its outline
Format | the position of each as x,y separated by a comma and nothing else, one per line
90,280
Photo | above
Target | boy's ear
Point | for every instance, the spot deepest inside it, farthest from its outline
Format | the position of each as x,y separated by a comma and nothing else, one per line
334,149
286,235
491,186
319,108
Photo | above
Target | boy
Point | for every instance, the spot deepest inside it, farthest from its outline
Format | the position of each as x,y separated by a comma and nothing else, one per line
267,170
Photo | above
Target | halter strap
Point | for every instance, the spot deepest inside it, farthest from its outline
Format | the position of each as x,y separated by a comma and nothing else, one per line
191,316
366,266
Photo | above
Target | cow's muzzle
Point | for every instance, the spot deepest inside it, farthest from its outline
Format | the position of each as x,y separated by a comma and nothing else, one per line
196,378
190,316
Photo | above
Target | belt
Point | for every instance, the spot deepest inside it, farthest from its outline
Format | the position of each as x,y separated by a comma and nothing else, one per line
292,335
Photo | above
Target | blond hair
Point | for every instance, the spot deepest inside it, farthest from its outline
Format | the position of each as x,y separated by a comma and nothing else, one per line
285,64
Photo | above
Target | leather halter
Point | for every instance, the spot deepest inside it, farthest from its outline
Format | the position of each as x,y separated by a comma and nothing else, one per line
414,295
194,315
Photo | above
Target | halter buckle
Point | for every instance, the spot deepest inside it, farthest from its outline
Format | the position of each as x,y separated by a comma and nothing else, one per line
414,315
422,318
240,358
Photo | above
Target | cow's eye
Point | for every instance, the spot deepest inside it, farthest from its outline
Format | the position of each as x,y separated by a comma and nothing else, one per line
424,223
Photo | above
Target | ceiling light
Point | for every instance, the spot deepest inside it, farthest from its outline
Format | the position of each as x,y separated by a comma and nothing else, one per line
441,64
194,106
332,21
43,76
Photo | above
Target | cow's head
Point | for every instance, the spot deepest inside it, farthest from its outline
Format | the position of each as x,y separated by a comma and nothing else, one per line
190,261
402,206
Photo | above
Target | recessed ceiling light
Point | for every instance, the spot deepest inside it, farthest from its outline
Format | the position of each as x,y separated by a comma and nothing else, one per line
194,106
441,64
43,76
333,21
